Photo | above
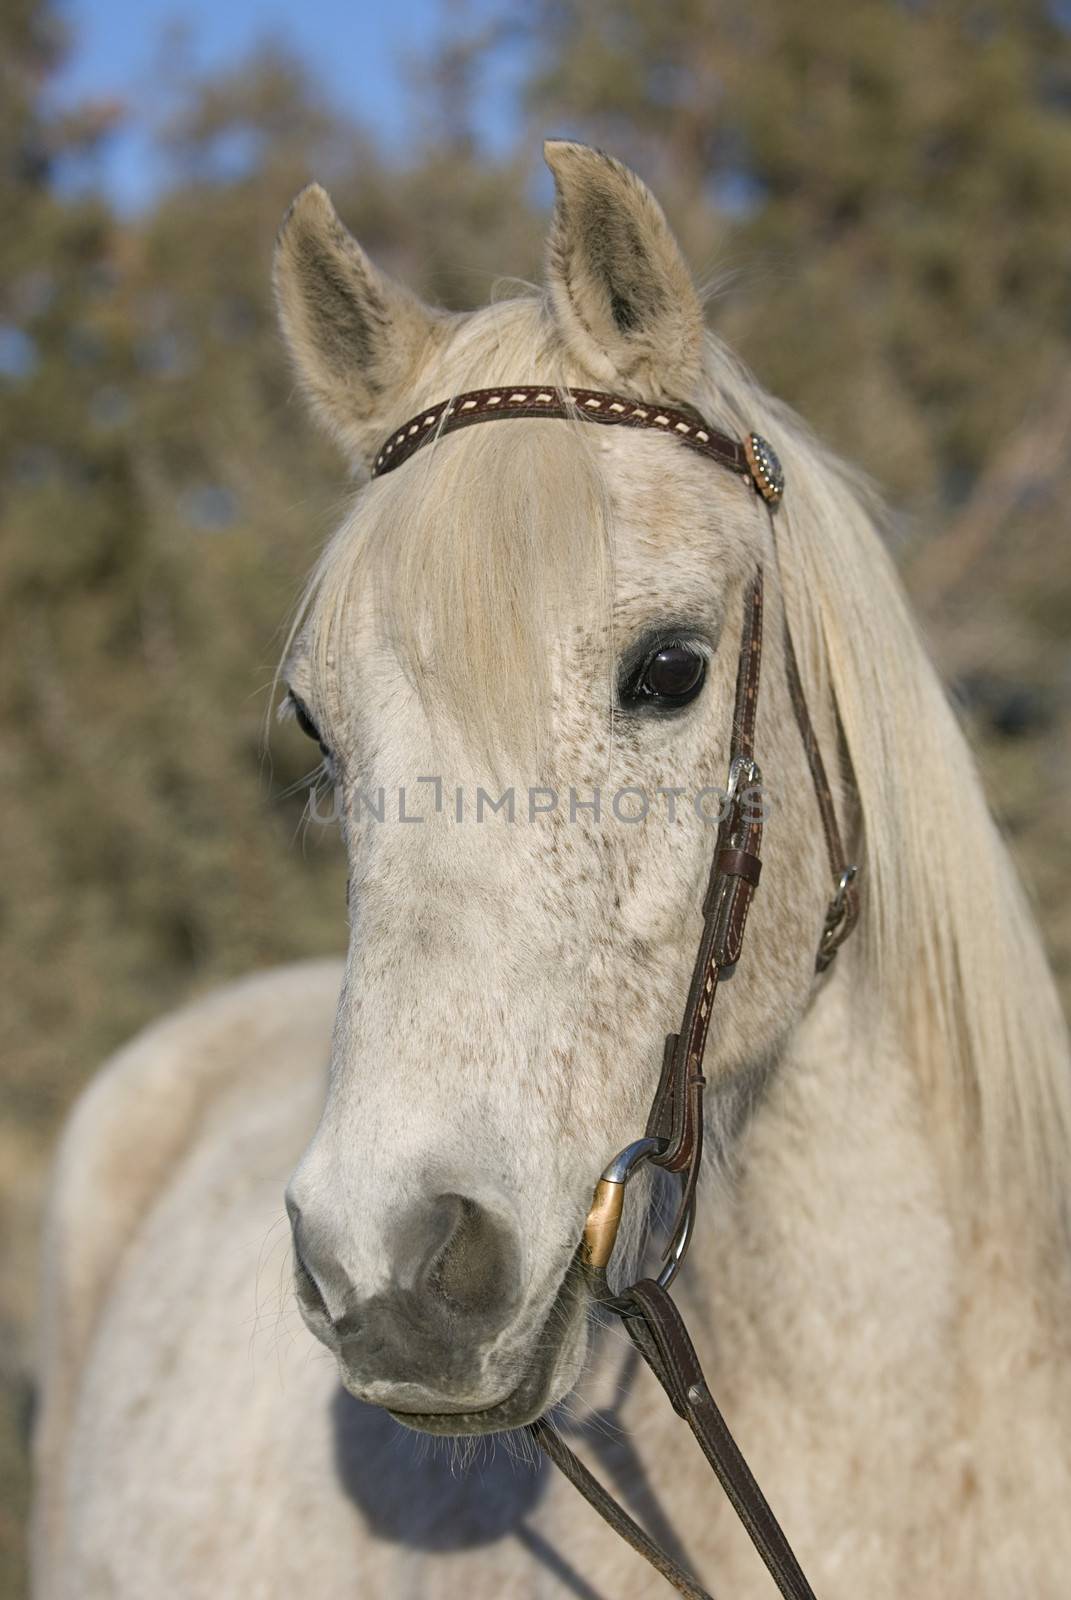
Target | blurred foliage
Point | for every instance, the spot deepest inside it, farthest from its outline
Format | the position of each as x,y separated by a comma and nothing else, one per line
876,191
896,170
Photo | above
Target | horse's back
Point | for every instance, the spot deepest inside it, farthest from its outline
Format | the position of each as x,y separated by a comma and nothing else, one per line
132,1130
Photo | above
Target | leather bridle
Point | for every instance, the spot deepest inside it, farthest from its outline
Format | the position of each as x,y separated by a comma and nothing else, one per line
673,1138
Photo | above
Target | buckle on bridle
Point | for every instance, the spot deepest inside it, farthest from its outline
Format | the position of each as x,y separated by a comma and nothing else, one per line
830,940
742,767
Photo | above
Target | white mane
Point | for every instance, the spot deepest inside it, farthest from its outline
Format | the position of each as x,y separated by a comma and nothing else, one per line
949,939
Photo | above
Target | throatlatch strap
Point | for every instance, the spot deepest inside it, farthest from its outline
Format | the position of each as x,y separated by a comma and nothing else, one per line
843,911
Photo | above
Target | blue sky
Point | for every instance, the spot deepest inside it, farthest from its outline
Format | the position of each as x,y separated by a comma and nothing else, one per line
356,49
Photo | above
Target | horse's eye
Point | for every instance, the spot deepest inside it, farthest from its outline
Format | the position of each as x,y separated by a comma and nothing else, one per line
671,676
305,722
675,673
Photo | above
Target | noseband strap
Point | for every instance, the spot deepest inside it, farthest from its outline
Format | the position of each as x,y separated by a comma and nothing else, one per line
674,1133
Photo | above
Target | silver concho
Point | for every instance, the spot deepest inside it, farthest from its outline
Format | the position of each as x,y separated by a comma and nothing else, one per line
766,471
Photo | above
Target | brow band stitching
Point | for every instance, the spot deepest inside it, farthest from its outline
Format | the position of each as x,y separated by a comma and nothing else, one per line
479,404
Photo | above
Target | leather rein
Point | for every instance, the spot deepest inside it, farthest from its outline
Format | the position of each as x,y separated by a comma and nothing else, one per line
673,1138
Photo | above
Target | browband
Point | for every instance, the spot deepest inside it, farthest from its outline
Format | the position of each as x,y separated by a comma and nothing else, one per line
752,458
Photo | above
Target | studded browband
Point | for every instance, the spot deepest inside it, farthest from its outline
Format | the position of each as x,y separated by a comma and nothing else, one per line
674,1134
753,459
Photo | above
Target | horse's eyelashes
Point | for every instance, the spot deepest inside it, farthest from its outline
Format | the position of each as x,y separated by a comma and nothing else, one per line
304,720
306,724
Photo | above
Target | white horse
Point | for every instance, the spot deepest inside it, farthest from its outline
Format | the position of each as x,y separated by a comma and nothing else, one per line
879,1286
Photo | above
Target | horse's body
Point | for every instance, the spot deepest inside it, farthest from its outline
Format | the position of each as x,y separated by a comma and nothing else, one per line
879,1287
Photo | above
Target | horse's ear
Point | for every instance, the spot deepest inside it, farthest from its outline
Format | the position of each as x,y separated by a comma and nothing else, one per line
355,337
623,296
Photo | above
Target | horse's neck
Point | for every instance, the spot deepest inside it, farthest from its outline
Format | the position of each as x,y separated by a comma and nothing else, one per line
833,1232
842,1275
893,1362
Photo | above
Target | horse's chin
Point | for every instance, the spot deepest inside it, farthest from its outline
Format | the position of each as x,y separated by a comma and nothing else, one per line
558,1356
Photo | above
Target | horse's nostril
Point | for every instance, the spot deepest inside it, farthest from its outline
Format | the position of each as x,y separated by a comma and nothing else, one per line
446,1275
471,1269
471,1259
306,1286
